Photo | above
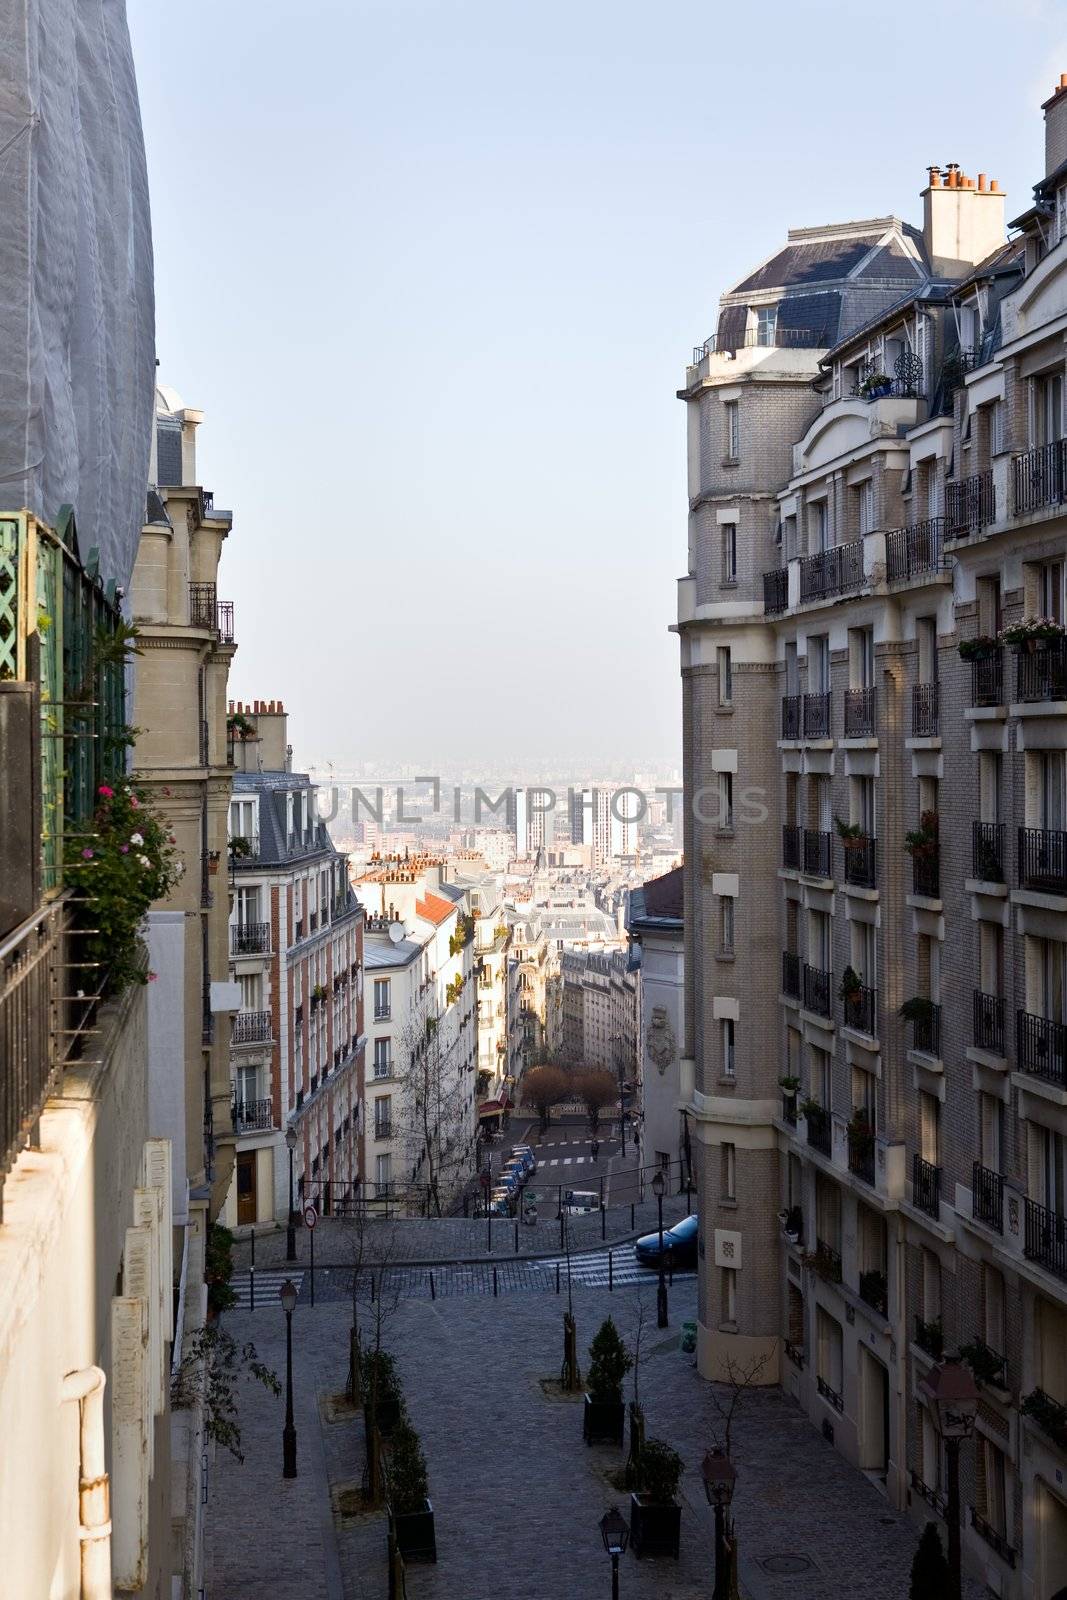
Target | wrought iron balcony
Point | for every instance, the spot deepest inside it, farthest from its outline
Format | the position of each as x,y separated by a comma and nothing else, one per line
860,859
203,606
251,1027
861,1153
995,1540
1039,477
832,571
224,621
33,964
776,591
253,1116
791,847
860,1010
827,1261
861,710
989,1022
791,716
1041,674
791,974
987,1197
933,1497
250,939
926,1030
1045,1239
383,1129
816,853
874,1290
926,875
987,851
1043,860
818,985
1041,1047
987,679
925,710
970,504
911,551
930,1337
817,715
926,1186
1049,1414
789,1109
829,1394
795,1354
819,1135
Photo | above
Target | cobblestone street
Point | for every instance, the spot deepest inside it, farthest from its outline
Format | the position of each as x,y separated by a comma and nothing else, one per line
517,1495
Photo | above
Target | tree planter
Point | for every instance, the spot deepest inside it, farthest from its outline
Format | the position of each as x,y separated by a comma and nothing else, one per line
655,1527
603,1421
386,1414
415,1534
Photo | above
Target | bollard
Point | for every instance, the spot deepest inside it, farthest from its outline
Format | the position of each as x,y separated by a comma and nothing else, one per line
603,1212
611,1271
632,1223
516,1238
252,1275
494,1284
433,1292
557,1277
312,1247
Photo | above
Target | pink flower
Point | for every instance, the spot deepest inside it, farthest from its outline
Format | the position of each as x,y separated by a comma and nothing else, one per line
108,794
152,976
171,839
87,855
135,804
124,849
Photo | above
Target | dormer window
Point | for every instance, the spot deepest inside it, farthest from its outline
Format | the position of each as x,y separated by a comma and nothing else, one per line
1061,213
766,324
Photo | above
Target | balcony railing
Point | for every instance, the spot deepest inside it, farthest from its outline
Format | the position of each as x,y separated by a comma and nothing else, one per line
764,338
789,1109
819,1130
970,505
926,1031
252,1116
818,985
829,1394
926,1186
832,571
828,1261
1041,674
929,1336
987,851
933,1497
987,679
926,876
816,853
989,1022
791,717
1043,860
817,715
32,966
925,710
911,551
1046,1238
776,591
794,1353
860,1009
251,1027
860,861
791,847
250,939
203,606
1048,1413
383,1129
987,1197
1041,1047
861,1154
1039,477
861,709
791,974
224,621
995,1540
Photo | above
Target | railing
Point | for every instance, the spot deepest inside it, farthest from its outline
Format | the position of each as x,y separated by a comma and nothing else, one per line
1039,477
832,571
789,1109
987,1197
970,504
1041,1047
829,1394
861,1154
816,853
987,851
383,1067
776,591
250,939
384,1013
1043,860
1046,1238
828,1260
251,1027
874,1289
929,1336
817,715
817,989
860,1009
1041,674
860,856
926,1186
203,606
819,1133
911,551
791,716
861,708
1049,1414
933,1497
987,679
794,1353
791,974
996,1540
776,339
926,1031
224,621
926,876
251,1116
32,963
925,710
383,1129
989,1022
791,838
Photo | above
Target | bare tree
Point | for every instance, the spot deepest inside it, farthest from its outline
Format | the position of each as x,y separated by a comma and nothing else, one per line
741,1378
544,1087
432,1106
597,1088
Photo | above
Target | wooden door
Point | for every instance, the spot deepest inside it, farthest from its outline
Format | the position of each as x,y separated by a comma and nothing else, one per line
246,1188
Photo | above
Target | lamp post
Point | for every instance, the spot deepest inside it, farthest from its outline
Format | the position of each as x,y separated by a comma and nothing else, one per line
658,1185
287,1296
290,1231
952,1395
616,1536
719,1475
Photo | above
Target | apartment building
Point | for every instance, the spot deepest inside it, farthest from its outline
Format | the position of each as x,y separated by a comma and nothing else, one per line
529,976
875,804
655,925
296,951
485,893
601,1007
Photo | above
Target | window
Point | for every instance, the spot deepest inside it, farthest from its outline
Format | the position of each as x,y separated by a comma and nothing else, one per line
766,324
819,663
1046,408
995,1487
243,819
729,1068
828,1212
989,769
990,956
864,507
729,553
726,676
383,1116
863,1098
729,1294
726,799
860,658
829,1365
726,925
732,420
1048,1168
729,1172
818,526
247,907
383,1173
993,1305
789,537
382,1002
926,635
383,1057
930,1128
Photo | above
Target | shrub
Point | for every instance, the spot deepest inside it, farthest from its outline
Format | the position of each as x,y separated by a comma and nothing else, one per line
609,1362
380,1378
218,1268
407,1470
661,1471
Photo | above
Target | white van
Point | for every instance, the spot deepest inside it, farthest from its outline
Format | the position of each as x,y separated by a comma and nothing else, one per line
578,1202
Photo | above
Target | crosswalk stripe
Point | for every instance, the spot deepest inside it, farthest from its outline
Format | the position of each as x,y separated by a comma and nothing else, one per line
268,1283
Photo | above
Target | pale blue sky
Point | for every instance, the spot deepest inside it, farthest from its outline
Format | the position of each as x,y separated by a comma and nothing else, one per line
432,268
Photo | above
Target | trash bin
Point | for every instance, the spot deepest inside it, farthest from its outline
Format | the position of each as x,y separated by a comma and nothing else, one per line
689,1337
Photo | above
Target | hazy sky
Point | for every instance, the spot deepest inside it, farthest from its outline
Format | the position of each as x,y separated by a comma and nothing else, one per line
433,268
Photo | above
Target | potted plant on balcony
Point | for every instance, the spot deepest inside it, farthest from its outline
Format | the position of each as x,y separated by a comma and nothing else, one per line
917,1008
876,385
1049,1415
240,847
239,727
213,858
792,1221
980,648
851,984
812,1109
655,1515
409,1504
318,994
984,1362
789,1085
603,1414
1033,633
874,1289
929,1336
850,833
921,842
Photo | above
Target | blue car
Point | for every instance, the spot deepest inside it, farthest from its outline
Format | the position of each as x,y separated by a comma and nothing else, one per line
508,1181
523,1153
679,1245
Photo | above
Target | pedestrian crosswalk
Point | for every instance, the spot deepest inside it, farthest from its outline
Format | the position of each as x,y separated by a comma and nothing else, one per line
268,1284
563,1161
592,1269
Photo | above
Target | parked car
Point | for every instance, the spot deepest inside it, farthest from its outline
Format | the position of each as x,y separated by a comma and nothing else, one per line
679,1245
500,1203
509,1181
523,1153
517,1170
578,1202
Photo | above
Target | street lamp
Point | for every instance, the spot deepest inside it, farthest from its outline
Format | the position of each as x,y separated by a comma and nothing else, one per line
659,1183
616,1536
290,1232
287,1296
719,1475
952,1394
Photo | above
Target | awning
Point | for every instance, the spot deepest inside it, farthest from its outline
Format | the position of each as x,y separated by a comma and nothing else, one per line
496,1108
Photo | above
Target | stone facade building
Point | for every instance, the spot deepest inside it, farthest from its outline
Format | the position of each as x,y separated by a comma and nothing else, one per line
876,1028
656,926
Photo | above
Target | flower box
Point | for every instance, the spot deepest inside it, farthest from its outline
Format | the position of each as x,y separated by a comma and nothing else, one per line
415,1534
655,1527
603,1421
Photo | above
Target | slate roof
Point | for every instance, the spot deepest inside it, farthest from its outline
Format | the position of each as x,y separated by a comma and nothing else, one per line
658,903
377,954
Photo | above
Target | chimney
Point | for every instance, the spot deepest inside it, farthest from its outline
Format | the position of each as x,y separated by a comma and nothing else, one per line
271,728
963,220
1055,109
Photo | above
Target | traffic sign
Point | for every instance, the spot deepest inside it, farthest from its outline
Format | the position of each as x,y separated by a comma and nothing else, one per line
311,1216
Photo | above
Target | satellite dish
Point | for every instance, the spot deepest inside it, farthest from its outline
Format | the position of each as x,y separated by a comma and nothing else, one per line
396,932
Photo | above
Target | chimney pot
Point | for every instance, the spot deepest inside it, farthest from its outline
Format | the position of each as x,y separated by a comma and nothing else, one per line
1063,80
981,183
